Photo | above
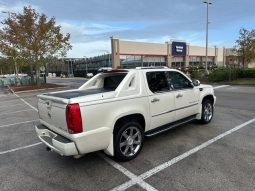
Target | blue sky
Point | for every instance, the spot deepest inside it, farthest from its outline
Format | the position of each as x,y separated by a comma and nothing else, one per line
92,22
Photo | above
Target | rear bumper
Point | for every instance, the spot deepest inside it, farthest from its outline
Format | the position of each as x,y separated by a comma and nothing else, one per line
55,142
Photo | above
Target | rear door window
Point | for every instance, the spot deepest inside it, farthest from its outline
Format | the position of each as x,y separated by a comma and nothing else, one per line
157,81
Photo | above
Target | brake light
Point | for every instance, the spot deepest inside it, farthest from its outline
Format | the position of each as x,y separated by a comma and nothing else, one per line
73,118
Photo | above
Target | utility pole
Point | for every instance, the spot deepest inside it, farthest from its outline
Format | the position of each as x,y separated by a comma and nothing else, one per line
86,64
206,51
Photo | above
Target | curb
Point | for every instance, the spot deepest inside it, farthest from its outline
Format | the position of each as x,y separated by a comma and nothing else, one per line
26,91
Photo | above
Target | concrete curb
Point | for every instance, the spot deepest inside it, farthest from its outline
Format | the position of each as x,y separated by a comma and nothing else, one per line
26,91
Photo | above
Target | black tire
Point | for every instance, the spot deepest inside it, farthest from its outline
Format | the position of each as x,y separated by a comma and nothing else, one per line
123,136
207,111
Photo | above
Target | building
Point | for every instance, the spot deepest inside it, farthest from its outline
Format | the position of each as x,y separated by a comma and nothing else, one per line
174,54
130,54
80,67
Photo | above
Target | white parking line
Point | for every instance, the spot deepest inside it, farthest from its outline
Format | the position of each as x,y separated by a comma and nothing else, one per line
129,174
18,123
16,112
24,100
182,156
222,86
20,148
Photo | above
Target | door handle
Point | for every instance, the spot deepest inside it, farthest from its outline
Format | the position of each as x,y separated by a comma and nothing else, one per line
179,95
155,100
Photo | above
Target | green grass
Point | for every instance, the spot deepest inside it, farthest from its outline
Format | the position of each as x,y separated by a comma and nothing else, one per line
250,81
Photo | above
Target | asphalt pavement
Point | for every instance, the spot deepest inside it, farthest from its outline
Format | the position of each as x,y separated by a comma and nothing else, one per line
174,160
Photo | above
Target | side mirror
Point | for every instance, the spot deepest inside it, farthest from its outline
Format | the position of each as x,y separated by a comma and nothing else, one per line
196,82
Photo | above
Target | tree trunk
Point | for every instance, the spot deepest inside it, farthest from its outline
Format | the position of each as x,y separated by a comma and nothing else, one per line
31,73
37,76
16,73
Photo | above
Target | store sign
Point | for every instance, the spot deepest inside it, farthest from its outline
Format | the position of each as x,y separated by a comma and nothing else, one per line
179,48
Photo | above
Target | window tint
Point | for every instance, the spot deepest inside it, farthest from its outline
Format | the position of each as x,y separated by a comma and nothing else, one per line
157,81
178,81
112,82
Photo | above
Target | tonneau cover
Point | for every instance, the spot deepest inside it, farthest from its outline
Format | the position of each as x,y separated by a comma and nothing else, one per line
78,93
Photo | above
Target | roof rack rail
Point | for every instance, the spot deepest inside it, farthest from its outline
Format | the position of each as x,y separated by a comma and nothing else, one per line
152,67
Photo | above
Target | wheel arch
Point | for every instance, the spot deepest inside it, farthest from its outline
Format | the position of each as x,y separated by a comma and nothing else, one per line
208,97
138,117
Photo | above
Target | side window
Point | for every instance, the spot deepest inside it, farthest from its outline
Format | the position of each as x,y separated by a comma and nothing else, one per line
178,81
157,81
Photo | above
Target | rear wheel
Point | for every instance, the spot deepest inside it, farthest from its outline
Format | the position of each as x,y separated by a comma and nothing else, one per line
207,111
128,141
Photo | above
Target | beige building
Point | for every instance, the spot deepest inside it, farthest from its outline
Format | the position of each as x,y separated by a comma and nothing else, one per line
130,54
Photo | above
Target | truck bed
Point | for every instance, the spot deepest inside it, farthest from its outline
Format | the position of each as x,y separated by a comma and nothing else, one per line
78,93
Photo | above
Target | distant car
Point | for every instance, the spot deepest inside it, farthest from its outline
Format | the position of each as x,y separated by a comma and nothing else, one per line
114,110
90,75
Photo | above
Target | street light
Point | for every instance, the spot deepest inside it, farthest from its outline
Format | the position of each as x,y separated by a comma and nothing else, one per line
206,51
86,64
109,54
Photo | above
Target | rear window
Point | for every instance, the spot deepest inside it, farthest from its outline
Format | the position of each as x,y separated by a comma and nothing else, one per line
112,82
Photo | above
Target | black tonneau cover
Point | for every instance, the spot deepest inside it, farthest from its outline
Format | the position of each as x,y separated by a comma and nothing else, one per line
78,93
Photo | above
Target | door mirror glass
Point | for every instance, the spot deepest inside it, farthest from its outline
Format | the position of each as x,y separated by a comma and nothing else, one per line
196,82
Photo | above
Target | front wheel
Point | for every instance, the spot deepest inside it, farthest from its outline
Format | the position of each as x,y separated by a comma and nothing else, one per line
128,141
207,111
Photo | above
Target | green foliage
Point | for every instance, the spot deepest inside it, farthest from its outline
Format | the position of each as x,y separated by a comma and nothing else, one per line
245,46
229,74
246,73
221,74
32,39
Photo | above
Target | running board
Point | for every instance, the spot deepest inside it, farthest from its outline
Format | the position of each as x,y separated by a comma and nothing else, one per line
169,126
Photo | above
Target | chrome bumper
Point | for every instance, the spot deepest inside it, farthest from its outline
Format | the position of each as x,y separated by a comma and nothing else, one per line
55,142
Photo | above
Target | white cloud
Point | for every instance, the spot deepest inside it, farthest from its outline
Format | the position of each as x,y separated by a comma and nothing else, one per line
90,49
14,8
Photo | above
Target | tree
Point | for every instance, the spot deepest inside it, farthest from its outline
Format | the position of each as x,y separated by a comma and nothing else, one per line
31,39
6,65
245,46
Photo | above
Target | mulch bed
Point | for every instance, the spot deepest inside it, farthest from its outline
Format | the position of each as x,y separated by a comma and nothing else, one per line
34,87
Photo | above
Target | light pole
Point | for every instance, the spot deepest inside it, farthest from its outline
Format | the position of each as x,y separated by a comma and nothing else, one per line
206,51
86,64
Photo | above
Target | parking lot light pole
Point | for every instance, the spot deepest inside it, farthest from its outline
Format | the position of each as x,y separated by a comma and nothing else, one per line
86,64
206,51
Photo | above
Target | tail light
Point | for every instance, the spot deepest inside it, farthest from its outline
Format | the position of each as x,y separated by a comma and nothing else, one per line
73,118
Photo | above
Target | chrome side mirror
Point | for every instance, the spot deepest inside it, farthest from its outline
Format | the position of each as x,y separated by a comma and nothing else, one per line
196,82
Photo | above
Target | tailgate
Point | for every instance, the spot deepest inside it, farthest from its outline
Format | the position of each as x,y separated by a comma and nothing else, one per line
52,113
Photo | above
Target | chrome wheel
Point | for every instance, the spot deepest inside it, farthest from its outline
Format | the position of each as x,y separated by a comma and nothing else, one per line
208,111
130,141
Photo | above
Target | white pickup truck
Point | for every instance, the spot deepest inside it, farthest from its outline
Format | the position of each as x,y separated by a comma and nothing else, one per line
116,109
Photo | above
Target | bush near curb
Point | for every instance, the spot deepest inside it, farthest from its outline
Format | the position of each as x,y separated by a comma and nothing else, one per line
223,74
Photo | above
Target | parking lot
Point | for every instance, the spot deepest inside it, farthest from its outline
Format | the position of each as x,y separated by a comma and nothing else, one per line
217,156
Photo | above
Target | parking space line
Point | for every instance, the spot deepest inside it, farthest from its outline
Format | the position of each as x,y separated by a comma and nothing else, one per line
183,156
222,86
18,123
16,112
24,101
20,148
129,174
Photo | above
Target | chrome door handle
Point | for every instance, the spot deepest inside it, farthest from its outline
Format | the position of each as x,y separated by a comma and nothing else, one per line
155,100
179,95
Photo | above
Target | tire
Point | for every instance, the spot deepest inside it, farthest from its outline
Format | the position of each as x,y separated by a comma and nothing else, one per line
128,140
207,111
